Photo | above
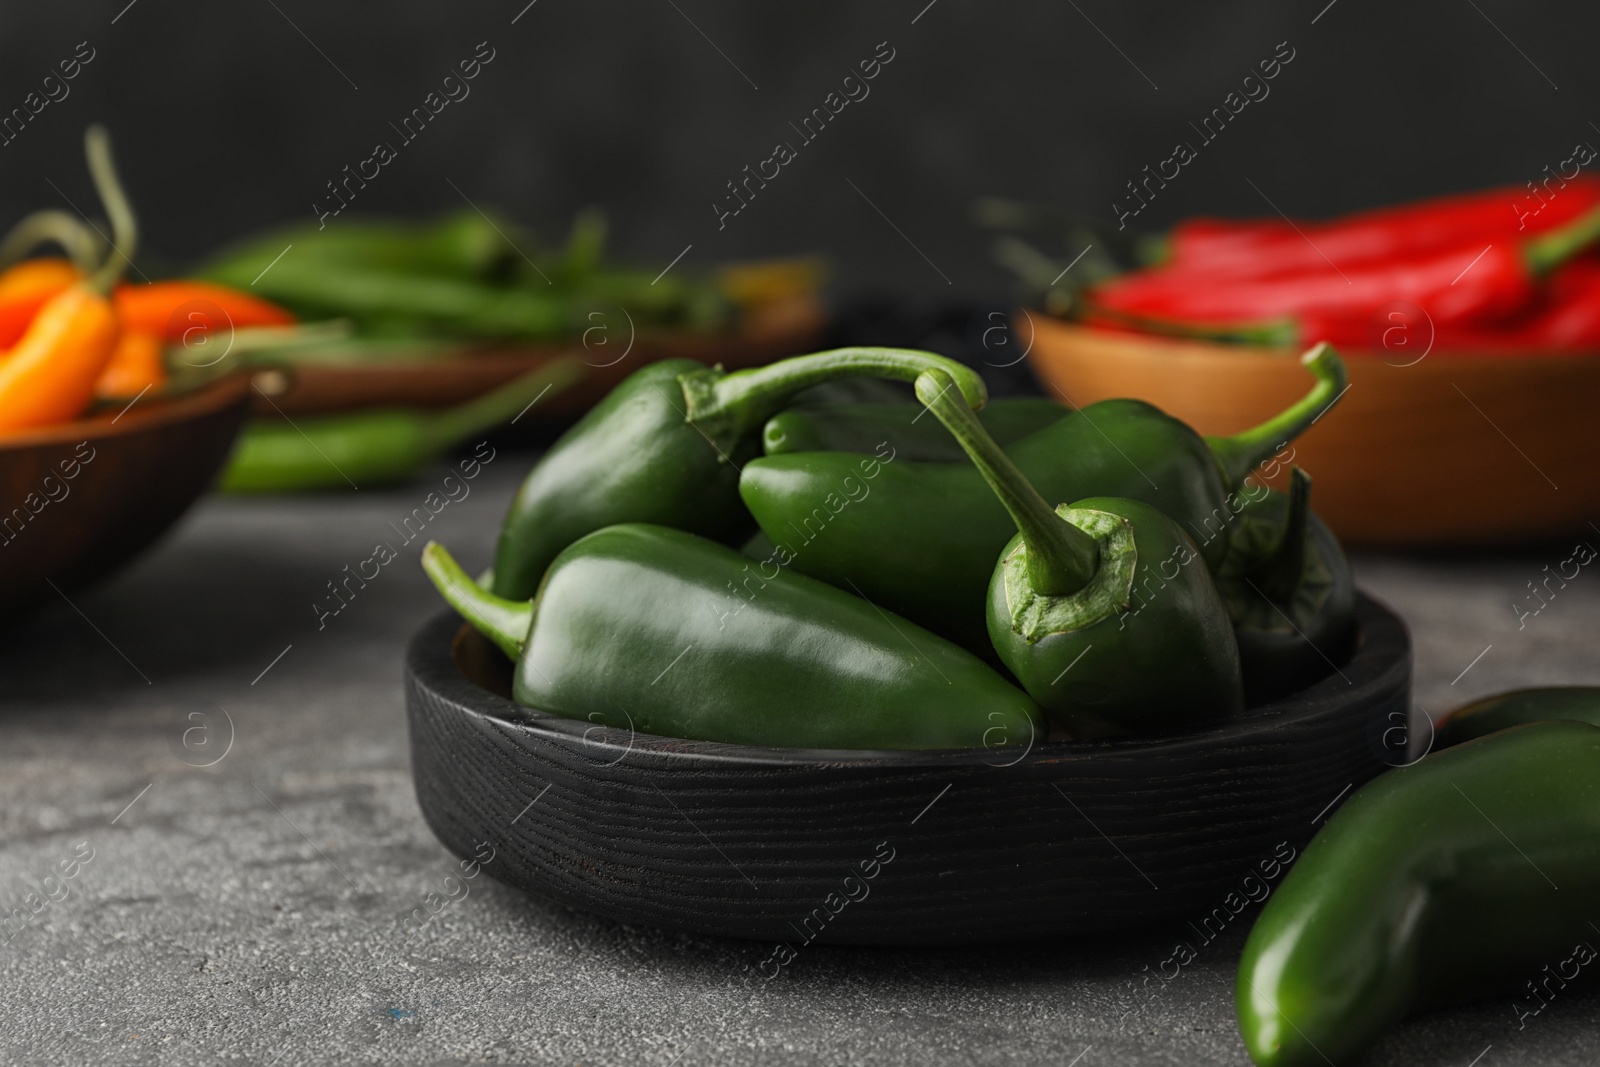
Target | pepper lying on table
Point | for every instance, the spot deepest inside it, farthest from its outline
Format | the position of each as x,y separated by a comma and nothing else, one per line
1452,879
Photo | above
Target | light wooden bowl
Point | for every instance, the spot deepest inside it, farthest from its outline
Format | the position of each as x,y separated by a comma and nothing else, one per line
1452,449
133,472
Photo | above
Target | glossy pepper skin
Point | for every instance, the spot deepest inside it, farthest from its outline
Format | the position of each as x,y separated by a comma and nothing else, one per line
1456,286
50,376
371,448
1579,703
646,628
1101,609
1290,593
665,447
1434,884
1277,246
921,538
863,427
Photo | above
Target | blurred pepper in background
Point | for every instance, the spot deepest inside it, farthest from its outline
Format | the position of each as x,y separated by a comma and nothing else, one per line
1491,270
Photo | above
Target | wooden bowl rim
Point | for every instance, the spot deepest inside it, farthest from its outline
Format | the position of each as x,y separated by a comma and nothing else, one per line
751,325
1383,651
1511,357
208,399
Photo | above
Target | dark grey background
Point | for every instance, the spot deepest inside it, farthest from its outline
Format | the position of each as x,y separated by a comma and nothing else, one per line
232,116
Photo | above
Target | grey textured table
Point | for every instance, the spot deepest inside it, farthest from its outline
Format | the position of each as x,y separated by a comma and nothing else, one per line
246,911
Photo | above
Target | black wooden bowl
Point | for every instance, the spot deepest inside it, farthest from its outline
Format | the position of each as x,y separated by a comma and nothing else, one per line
907,848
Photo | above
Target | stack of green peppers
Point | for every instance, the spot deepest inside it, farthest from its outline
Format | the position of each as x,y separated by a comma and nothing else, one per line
1146,586
401,291
467,276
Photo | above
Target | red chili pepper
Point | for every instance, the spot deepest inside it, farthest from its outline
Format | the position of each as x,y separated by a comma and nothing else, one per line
1572,319
1567,320
1464,285
1277,246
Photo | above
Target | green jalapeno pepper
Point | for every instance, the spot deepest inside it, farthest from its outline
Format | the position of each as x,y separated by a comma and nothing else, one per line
647,628
1082,607
920,538
665,447
367,448
863,427
1289,592
1434,884
464,244
1580,703
459,277
385,301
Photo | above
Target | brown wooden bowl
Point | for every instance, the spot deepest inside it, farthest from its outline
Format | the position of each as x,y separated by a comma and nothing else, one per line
82,499
766,331
983,845
1453,449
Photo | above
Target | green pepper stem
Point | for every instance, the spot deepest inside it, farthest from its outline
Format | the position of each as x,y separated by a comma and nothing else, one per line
124,226
1243,452
585,243
727,407
1061,558
81,244
1281,572
1548,251
1155,250
505,622
455,425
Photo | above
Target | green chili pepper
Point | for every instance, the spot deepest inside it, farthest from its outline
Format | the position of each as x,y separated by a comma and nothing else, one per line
462,245
647,628
1082,608
586,243
382,299
665,447
920,538
1580,703
463,276
1434,884
375,447
863,427
1289,592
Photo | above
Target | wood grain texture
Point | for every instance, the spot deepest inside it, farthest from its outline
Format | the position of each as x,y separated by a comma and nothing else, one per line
149,462
740,841
1414,449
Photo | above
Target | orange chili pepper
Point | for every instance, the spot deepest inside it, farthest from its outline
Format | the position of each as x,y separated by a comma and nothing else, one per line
46,274
137,363
49,377
27,287
160,308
